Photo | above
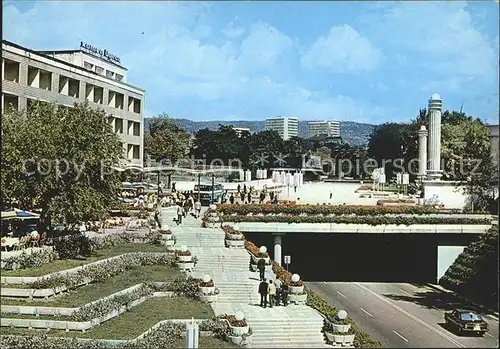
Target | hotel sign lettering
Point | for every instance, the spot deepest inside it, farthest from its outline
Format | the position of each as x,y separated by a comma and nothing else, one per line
99,52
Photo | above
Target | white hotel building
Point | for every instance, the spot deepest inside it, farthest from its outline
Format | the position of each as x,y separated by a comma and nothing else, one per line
74,76
327,128
286,127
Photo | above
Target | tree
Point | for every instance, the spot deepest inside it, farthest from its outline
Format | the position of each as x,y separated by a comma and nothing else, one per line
58,159
387,144
166,140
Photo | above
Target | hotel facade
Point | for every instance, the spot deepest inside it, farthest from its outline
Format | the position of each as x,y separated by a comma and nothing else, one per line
286,127
327,128
75,76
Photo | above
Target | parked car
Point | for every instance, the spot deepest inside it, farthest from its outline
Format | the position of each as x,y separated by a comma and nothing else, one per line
466,321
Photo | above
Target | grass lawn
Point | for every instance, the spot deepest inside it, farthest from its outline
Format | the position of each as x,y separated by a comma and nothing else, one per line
131,324
94,291
64,264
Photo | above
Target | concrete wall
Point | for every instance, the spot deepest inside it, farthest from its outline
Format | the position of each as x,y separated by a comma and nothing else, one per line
446,192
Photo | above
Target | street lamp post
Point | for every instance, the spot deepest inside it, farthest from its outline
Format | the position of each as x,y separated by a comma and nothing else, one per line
158,189
199,185
213,187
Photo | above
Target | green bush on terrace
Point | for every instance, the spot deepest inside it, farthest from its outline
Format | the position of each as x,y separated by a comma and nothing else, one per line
358,210
474,274
371,220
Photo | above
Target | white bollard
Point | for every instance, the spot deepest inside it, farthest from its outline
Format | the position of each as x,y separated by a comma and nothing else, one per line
192,335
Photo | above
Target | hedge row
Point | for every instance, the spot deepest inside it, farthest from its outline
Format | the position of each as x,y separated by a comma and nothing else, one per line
358,210
370,220
474,274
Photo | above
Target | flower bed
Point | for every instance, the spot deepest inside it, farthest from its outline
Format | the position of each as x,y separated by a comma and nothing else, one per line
370,220
165,334
359,210
255,252
362,339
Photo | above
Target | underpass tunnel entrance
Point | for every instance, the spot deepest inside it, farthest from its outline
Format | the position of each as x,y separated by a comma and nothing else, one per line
358,257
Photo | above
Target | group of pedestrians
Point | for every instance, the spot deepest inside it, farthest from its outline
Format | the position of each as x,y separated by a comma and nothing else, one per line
274,292
246,195
186,207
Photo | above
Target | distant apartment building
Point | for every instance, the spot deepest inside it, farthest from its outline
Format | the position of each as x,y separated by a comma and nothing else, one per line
323,128
72,76
286,127
240,130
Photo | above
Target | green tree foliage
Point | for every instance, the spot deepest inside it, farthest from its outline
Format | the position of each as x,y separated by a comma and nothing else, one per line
58,159
465,151
225,144
166,140
474,274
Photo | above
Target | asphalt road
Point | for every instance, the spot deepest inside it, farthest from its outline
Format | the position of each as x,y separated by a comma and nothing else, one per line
403,315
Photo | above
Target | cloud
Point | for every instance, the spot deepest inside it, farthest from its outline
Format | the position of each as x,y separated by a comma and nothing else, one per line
343,50
185,67
232,31
441,34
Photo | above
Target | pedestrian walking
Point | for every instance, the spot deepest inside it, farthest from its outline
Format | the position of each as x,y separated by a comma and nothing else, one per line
331,195
271,291
197,209
284,294
157,216
180,213
271,196
231,198
244,188
263,288
278,285
239,188
242,196
262,197
261,265
249,197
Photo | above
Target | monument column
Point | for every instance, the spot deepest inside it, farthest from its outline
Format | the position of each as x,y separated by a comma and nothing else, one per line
422,152
434,172
277,249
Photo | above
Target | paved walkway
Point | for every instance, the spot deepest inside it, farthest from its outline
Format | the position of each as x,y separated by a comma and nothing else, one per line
278,327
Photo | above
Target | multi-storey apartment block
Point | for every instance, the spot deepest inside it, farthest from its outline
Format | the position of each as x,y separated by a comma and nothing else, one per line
287,127
74,76
326,128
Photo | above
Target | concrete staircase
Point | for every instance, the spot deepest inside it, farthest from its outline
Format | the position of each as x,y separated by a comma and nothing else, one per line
279,327
287,333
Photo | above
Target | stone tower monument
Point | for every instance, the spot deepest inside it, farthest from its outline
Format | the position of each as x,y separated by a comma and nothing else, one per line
434,172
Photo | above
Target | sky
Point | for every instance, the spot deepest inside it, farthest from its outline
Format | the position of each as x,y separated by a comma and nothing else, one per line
370,62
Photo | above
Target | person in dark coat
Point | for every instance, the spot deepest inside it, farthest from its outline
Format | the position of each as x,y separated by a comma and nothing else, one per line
271,196
249,197
284,294
263,287
244,188
231,198
242,196
261,265
262,197
239,188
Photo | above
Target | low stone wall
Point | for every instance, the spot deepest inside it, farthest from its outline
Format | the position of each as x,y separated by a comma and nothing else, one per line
69,325
331,228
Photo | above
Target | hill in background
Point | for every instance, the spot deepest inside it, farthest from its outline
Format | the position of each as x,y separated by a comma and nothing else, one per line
354,133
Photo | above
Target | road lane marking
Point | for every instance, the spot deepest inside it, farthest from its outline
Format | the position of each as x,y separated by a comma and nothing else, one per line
407,293
367,313
442,334
340,294
400,336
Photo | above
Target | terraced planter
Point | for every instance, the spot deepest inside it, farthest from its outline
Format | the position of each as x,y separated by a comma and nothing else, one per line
209,298
297,298
185,258
340,328
234,236
206,290
166,236
235,243
167,243
184,266
296,289
255,259
340,339
238,340
239,330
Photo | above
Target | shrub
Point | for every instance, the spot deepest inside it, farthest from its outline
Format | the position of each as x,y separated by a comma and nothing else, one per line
185,286
297,284
32,260
72,246
359,210
370,220
233,322
183,253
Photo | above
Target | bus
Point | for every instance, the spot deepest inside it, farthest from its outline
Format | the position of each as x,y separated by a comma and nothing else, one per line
206,193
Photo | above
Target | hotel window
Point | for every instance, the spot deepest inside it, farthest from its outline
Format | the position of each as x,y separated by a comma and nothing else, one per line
10,102
118,77
118,125
11,70
133,151
98,95
74,88
99,70
110,74
88,65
